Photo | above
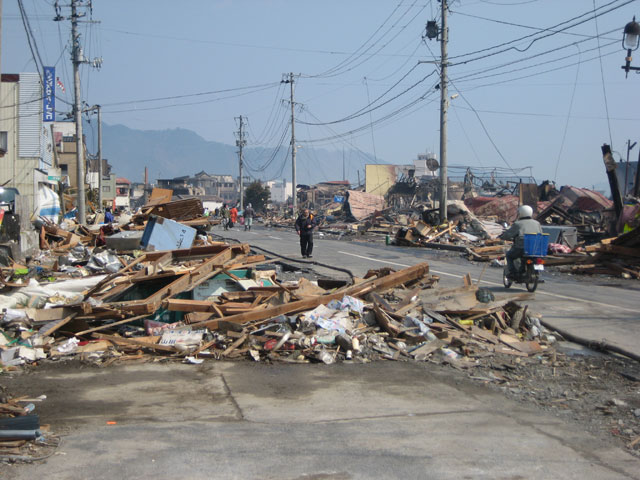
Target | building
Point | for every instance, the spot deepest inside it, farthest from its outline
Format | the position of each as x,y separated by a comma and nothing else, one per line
280,190
323,193
26,146
380,178
108,180
202,183
123,194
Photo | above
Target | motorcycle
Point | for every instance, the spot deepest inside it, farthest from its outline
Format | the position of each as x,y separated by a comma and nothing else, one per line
528,272
528,267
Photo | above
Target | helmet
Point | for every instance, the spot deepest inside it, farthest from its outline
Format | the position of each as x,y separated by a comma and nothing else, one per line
525,211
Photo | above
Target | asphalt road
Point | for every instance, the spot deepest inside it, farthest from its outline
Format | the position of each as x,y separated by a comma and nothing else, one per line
245,420
595,308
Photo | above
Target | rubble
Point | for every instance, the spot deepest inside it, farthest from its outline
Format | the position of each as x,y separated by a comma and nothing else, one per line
582,223
219,301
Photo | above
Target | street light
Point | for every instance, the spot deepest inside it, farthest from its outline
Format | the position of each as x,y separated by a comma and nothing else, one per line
630,42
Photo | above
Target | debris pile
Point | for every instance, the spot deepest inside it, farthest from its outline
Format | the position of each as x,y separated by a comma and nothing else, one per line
22,437
618,256
222,301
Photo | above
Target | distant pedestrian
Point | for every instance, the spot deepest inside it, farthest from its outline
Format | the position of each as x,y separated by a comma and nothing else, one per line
225,214
108,216
305,224
233,216
248,217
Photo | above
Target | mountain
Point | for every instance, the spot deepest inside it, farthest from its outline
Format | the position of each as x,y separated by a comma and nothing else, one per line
177,152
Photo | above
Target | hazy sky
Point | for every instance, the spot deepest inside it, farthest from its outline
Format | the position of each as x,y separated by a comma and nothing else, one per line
548,100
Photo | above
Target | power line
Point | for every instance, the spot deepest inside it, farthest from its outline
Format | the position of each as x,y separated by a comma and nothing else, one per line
604,89
552,31
160,107
364,111
187,95
566,125
335,67
474,76
383,46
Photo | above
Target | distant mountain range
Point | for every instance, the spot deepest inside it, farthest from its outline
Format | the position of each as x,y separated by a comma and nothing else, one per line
177,152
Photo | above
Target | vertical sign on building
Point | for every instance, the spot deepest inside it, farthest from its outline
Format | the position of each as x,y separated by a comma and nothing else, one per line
49,98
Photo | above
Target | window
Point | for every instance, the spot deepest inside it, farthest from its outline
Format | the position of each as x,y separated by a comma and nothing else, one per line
105,188
64,169
4,142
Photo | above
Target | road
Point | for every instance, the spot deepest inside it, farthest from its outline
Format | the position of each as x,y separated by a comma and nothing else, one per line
244,420
592,308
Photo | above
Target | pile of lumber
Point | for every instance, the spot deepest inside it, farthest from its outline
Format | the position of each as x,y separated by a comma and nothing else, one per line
619,256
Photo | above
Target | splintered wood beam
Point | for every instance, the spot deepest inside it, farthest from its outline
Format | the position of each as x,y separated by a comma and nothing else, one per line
133,342
58,325
110,325
185,305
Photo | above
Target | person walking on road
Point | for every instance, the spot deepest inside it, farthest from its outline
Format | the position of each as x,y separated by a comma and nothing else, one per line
248,217
304,226
233,216
224,213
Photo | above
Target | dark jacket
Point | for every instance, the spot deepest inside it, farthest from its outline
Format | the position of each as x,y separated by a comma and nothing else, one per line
517,231
305,225
249,212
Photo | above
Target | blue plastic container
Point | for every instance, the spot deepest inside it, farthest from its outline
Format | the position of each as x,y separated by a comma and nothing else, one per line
536,244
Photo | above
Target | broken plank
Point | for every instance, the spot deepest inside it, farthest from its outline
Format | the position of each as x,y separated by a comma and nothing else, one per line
186,305
58,325
109,325
133,342
234,345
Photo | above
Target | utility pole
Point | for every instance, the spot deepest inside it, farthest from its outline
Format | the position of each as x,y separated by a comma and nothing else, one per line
98,108
443,112
77,58
77,114
240,143
100,172
343,172
293,146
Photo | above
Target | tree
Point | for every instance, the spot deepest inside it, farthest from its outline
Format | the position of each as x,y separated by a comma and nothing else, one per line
257,195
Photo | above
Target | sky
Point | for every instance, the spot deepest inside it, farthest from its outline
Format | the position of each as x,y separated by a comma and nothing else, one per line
535,83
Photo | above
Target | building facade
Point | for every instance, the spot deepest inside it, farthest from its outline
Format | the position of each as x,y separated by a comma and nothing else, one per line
26,146
202,183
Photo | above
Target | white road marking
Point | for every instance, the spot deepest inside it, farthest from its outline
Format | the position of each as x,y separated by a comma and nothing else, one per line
275,238
555,295
375,259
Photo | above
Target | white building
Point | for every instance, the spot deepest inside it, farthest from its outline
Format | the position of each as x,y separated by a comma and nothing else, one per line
423,163
26,147
280,190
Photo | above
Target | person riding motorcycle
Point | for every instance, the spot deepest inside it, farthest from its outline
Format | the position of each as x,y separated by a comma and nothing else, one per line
524,225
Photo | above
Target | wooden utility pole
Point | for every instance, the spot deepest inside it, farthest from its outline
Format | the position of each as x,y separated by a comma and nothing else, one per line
77,114
443,113
240,143
293,150
100,170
